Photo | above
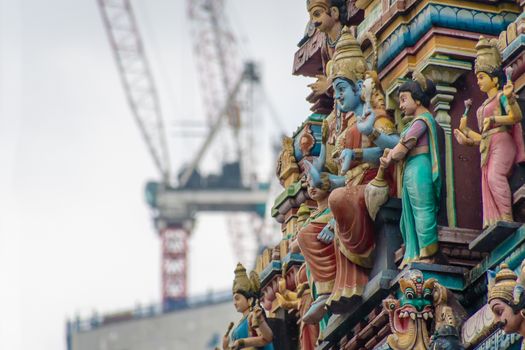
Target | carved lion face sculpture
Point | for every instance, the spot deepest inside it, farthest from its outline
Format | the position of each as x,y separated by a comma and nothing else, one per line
411,315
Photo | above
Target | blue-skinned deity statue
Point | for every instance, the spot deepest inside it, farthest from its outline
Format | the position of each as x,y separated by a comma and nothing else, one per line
354,136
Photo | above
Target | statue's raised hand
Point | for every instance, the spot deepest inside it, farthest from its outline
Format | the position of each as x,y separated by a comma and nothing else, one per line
508,90
345,159
318,162
460,137
313,176
258,314
386,159
321,85
365,124
326,235
237,345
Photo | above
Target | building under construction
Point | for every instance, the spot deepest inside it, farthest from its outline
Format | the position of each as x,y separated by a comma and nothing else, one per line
199,324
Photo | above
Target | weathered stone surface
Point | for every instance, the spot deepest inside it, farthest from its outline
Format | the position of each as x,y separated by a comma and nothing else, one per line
493,236
477,327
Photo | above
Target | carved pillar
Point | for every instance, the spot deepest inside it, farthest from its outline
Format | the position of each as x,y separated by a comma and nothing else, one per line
444,72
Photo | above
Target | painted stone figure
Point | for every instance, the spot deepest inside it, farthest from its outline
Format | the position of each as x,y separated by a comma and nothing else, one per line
424,305
421,184
500,141
315,240
507,301
329,17
351,160
252,331
308,333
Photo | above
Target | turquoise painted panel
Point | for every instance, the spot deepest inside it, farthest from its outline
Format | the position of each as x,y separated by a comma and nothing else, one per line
510,251
293,257
273,266
500,341
316,130
450,17
515,46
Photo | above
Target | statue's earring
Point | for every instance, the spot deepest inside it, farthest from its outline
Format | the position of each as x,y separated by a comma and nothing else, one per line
522,313
334,12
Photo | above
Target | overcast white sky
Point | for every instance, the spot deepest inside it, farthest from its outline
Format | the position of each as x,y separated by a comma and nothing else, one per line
75,233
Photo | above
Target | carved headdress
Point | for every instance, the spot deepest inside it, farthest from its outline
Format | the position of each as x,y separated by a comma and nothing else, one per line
415,281
248,286
310,4
504,284
488,56
349,61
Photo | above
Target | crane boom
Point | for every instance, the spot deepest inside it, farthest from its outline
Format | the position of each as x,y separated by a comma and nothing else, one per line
212,132
137,79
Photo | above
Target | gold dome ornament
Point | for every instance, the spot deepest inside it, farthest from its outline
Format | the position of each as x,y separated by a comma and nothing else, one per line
504,284
244,284
488,56
349,61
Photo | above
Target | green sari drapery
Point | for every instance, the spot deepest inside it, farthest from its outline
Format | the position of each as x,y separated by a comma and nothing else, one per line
420,197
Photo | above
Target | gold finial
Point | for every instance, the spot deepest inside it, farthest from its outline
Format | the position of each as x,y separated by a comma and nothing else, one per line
488,56
243,283
504,284
310,4
349,61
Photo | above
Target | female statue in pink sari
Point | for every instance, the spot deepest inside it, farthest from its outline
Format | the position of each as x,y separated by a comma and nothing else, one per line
500,141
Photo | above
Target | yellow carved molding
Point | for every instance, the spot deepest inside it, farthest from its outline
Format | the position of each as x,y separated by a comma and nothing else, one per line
470,5
436,44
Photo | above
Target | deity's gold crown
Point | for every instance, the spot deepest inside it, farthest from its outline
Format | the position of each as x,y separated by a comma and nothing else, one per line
243,283
349,61
504,284
488,56
310,4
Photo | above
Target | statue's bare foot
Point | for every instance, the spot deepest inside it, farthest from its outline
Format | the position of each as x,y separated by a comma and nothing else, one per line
316,311
427,260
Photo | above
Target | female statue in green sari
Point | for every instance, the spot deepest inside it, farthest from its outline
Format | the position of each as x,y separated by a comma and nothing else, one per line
418,148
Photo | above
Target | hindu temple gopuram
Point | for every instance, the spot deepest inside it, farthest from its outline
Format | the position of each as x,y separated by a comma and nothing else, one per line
403,203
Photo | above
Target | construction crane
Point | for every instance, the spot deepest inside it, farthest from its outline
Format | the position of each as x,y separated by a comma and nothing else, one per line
137,79
176,201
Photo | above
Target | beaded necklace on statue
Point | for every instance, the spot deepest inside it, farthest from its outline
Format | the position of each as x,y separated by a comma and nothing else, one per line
338,122
331,43
318,212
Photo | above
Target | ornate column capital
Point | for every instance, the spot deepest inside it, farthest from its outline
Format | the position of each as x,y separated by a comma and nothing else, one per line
444,72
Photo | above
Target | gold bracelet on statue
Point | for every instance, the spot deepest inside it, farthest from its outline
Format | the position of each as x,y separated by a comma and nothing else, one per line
358,154
374,135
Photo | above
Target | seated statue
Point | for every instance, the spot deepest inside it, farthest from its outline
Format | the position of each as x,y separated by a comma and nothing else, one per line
348,160
252,331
